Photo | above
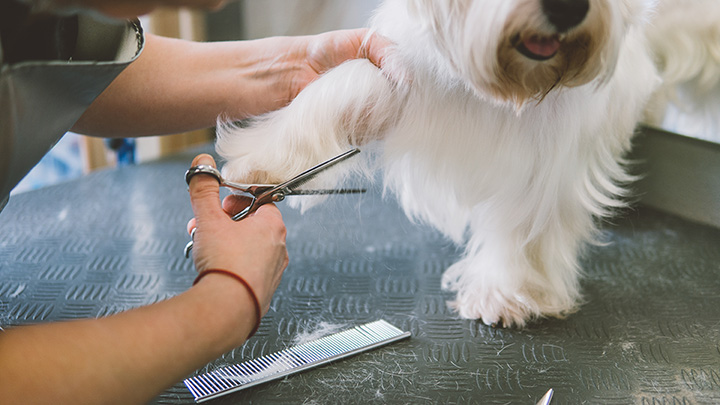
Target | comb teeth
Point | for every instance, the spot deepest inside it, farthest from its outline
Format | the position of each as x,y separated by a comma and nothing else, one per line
292,360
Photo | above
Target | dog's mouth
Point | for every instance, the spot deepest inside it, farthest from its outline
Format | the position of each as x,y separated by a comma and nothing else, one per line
537,47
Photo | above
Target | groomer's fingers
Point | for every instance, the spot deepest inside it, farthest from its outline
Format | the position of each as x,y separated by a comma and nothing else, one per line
270,212
375,47
205,192
233,204
192,223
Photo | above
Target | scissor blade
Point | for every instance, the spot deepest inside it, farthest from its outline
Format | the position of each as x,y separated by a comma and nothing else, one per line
246,188
309,174
329,191
545,400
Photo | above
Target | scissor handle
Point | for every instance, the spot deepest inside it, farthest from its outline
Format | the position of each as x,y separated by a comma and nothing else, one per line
244,213
264,198
203,169
270,194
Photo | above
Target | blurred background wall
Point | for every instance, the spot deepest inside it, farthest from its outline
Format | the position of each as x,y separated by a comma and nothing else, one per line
250,19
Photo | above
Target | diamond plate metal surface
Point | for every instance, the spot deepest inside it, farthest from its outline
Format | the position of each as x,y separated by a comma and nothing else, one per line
648,332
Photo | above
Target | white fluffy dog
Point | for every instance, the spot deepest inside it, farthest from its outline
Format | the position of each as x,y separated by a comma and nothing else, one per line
503,125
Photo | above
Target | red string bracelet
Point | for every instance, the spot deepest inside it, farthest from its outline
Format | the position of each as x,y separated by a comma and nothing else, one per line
244,283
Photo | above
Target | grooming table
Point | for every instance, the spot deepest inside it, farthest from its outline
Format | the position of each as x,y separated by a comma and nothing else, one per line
647,333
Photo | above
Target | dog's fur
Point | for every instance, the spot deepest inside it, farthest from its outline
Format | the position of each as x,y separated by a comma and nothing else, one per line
511,156
685,39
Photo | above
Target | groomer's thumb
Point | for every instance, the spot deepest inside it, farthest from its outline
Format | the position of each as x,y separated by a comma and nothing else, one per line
205,191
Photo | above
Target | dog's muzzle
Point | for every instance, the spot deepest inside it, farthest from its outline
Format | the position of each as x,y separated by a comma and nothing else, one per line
563,15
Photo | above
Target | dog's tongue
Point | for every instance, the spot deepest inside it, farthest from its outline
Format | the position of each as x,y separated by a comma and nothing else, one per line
542,46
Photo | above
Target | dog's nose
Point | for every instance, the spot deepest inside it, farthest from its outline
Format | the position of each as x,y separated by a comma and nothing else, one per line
565,14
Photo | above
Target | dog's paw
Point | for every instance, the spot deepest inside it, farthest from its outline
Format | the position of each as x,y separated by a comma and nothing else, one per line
494,309
250,168
257,155
502,301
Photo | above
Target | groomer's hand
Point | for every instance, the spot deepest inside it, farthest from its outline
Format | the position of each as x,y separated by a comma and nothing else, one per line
253,248
317,54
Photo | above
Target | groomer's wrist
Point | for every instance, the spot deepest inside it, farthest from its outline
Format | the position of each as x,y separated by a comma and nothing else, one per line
230,305
263,82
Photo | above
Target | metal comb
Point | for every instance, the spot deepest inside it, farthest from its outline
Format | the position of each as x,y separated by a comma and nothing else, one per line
293,360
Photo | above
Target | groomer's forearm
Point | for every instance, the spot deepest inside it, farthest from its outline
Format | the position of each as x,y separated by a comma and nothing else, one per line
126,358
176,86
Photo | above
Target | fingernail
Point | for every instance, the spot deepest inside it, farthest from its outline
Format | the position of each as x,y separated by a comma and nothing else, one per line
204,159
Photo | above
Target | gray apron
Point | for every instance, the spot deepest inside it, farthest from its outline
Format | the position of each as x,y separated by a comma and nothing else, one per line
40,100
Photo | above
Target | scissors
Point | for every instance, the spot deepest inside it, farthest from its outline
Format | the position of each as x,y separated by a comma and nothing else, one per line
545,400
267,193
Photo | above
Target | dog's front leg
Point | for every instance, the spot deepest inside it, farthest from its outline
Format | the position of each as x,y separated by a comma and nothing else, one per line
349,105
506,283
521,259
